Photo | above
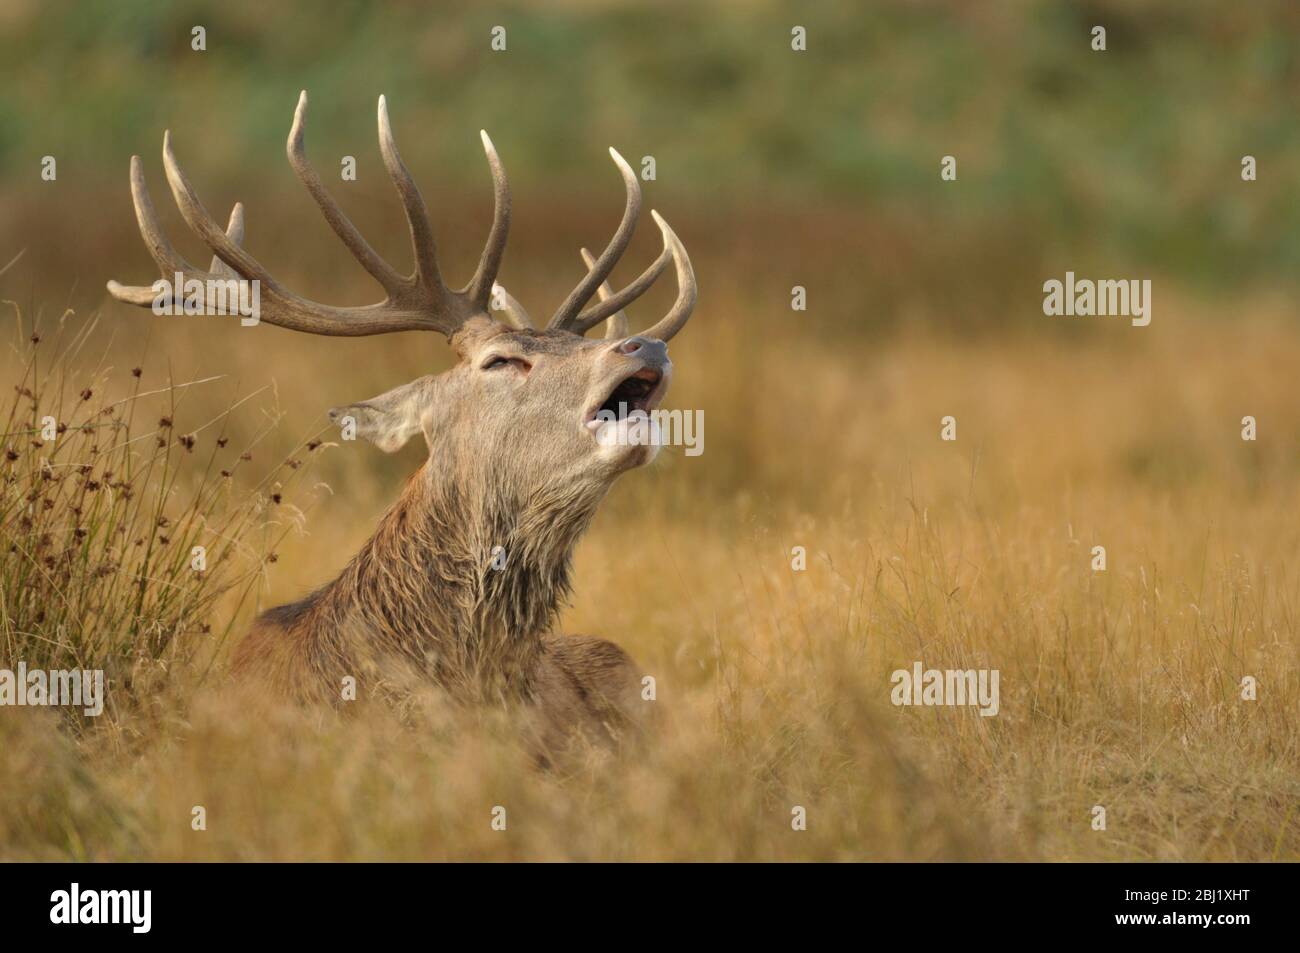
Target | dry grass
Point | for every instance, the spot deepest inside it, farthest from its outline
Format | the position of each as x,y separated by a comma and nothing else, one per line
1118,688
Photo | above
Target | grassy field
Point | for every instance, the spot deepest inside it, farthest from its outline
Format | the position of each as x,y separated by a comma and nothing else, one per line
1120,689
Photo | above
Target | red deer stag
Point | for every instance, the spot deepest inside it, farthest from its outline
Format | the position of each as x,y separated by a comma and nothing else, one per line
519,458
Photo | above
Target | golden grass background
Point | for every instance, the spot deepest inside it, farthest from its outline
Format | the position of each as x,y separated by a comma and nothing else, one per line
1119,689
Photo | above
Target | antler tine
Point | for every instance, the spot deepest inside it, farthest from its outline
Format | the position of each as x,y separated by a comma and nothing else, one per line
687,291
168,260
610,303
369,259
235,232
199,219
579,296
417,213
511,310
480,287
617,326
160,249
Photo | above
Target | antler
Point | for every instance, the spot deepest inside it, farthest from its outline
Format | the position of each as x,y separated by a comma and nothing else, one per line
571,315
419,301
616,326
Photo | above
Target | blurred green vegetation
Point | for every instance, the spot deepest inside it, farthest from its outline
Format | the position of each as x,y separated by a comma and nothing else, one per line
1127,159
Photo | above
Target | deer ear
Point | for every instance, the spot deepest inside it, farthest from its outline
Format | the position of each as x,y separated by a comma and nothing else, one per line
389,420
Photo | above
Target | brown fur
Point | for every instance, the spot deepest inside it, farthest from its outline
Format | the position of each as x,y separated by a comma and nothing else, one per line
421,604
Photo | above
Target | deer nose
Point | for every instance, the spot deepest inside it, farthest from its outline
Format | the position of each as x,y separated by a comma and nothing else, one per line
648,349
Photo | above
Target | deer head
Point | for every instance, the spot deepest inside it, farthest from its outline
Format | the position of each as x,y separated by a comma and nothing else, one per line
523,402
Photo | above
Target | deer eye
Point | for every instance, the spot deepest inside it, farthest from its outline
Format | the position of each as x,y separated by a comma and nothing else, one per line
492,363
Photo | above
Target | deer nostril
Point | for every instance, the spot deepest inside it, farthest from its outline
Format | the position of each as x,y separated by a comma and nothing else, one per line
648,350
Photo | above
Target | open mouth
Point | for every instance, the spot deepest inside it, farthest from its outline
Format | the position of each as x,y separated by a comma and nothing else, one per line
634,393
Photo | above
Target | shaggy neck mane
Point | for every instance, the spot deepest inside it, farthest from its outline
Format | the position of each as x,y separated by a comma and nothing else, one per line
425,590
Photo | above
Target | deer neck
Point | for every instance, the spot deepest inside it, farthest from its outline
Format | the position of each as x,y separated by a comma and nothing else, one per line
474,580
